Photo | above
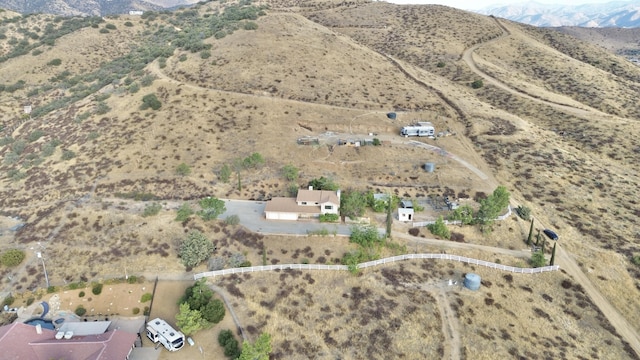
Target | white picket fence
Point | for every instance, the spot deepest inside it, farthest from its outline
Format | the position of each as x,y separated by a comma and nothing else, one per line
458,222
376,263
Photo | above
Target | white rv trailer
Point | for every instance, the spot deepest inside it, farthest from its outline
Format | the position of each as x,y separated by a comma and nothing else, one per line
418,129
159,331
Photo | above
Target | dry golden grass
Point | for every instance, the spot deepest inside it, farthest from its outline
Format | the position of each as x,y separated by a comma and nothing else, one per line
318,67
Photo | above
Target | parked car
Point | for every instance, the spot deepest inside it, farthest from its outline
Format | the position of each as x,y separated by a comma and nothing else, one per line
550,234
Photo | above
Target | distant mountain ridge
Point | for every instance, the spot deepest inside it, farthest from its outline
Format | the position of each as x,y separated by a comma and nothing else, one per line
622,14
89,7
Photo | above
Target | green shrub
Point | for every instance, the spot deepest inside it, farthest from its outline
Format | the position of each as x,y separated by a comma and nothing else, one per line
538,260
30,301
136,310
132,279
146,311
151,209
523,212
51,289
36,52
150,101
104,31
440,64
96,289
439,228
205,54
146,297
19,146
183,57
80,310
35,135
128,24
184,212
102,108
477,84
78,285
183,169
250,25
12,257
55,62
110,26
232,220
220,34
329,217
8,300
636,260
68,154
81,294
147,80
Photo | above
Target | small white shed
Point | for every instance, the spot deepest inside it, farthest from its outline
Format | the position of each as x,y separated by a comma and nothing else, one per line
405,214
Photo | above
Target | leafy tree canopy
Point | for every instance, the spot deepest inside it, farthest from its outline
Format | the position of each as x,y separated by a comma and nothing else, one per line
322,183
353,204
195,249
260,350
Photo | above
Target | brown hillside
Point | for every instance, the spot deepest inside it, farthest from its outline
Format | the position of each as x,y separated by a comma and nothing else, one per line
554,120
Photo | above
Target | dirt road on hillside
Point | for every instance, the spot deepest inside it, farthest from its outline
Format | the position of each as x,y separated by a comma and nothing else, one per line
566,262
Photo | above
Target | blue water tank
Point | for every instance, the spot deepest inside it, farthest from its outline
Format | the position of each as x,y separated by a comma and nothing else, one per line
472,281
429,167
391,115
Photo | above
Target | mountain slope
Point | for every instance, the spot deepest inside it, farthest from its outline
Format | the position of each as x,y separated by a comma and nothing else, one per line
88,7
556,124
623,14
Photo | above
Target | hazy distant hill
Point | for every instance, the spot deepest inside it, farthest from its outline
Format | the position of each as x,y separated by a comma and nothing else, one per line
88,7
624,14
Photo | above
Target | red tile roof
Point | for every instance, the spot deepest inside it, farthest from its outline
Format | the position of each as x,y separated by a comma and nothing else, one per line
21,341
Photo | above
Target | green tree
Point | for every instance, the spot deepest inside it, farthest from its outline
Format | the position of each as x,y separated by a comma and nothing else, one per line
253,161
189,321
12,257
464,214
323,183
537,259
225,173
553,255
439,228
213,311
229,343
353,204
530,233
211,208
365,236
389,218
183,169
150,101
260,350
290,172
195,249
197,295
491,207
184,212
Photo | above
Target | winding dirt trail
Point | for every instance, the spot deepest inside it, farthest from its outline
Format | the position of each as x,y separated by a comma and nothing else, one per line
564,259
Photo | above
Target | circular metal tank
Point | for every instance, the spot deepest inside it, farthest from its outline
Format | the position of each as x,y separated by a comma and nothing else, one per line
472,281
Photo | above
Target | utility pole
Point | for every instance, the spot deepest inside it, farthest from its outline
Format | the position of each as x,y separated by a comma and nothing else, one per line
46,277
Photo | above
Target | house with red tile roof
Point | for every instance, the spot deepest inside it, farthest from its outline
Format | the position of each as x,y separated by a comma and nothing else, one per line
21,341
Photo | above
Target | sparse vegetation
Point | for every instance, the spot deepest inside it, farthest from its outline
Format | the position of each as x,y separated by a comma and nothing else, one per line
439,228
151,209
12,257
195,249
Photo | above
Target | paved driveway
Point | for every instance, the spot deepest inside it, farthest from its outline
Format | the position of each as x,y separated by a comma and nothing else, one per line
251,214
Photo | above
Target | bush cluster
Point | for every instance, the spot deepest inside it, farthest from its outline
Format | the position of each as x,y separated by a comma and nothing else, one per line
229,343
